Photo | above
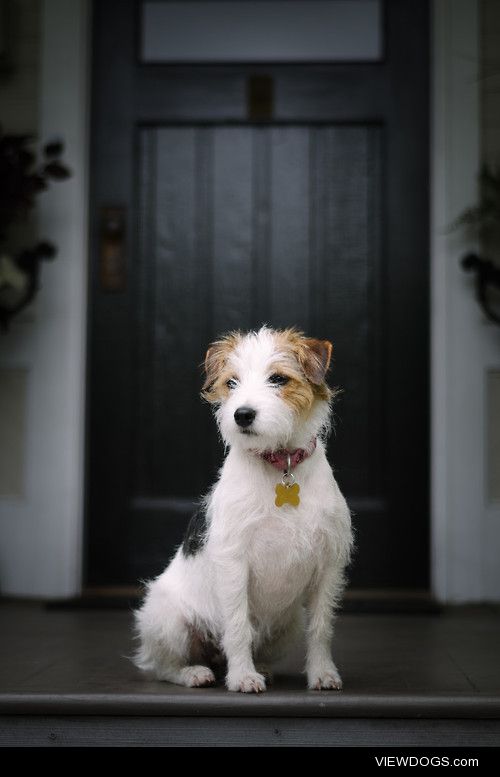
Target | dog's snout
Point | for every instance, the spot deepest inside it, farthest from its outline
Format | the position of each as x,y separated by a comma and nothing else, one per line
244,416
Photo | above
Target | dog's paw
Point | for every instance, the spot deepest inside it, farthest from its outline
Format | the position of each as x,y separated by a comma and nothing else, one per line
251,682
328,680
197,676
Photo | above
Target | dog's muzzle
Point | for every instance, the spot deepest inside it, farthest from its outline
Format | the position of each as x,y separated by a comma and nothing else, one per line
244,416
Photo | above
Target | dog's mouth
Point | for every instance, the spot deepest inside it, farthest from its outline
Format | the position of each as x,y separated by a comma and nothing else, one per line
249,432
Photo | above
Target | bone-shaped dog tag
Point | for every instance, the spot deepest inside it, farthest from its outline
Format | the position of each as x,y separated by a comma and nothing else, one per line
287,494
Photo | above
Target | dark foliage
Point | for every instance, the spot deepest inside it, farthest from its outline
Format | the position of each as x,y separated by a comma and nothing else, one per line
487,277
23,176
484,222
485,216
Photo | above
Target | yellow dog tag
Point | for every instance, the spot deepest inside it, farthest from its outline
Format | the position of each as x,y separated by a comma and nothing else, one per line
287,494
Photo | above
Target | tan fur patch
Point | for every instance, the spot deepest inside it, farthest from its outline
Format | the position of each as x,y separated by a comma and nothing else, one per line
297,392
313,357
214,388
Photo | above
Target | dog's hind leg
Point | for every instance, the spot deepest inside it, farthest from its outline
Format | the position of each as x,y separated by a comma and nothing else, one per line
166,643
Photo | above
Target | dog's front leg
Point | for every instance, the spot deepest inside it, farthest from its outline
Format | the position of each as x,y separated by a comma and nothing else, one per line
321,600
237,632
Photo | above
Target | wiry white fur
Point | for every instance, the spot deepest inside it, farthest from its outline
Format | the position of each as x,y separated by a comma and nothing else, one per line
260,564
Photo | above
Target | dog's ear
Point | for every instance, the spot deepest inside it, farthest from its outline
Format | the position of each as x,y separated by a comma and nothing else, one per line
214,360
314,358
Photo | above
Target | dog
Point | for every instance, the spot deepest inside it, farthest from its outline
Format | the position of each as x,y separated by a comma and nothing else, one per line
272,538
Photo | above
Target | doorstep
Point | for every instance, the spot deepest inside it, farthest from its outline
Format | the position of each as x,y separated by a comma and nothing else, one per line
410,680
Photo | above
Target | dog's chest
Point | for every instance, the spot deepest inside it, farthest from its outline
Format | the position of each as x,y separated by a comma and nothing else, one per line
283,555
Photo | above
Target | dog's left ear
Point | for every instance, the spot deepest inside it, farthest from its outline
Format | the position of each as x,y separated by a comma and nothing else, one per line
314,357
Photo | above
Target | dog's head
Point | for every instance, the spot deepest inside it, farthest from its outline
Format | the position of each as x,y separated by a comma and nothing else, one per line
268,387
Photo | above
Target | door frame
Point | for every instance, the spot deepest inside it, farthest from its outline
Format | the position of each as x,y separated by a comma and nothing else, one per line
454,150
393,532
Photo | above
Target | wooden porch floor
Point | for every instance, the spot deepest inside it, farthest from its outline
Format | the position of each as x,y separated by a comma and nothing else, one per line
410,680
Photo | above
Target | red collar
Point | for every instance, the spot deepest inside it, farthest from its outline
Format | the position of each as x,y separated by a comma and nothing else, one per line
279,458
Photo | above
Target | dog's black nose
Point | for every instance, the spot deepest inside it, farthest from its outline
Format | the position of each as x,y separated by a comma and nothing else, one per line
244,416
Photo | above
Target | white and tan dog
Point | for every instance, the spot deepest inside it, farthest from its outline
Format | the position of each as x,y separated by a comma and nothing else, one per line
264,544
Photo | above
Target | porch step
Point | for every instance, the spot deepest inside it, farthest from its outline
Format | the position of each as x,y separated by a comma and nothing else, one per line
410,680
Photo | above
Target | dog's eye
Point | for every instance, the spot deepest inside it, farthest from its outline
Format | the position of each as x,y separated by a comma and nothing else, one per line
278,380
231,383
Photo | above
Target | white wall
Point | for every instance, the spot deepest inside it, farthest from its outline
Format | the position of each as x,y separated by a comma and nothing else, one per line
465,527
41,531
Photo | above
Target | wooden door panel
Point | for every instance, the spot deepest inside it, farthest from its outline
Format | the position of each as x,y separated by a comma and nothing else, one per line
287,273
238,226
232,251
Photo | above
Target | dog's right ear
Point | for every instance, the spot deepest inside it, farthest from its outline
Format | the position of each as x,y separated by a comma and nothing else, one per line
212,366
215,360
